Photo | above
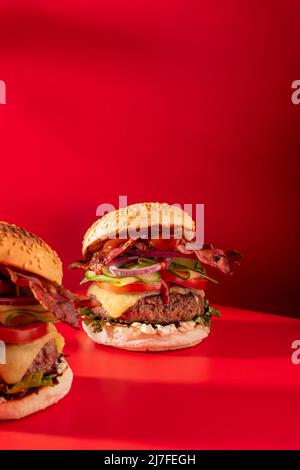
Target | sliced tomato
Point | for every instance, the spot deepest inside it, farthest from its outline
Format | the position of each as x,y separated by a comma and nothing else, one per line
199,284
195,283
18,300
134,287
163,245
23,334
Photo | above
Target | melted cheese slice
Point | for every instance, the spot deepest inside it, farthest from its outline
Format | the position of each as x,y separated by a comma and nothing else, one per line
114,303
19,357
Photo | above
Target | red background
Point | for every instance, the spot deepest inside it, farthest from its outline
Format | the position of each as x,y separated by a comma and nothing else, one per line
173,101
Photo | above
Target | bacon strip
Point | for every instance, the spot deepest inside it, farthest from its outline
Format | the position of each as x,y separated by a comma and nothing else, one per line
58,300
208,255
101,259
214,257
80,264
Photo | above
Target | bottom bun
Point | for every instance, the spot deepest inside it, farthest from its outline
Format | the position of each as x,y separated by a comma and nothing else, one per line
16,409
143,337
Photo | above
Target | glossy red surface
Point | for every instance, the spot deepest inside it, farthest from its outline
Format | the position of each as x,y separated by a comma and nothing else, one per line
238,389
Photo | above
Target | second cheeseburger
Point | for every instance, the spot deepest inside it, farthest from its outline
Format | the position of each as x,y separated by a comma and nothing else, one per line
149,278
33,372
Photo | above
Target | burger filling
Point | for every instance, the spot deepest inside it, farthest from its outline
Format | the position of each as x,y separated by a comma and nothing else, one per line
152,310
17,380
31,354
33,348
152,282
32,382
20,288
185,308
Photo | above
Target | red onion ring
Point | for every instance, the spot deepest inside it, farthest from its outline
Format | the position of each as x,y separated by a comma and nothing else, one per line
117,261
161,254
114,269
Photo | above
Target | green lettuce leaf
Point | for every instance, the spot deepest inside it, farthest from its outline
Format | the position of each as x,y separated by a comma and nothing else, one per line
90,319
208,313
31,380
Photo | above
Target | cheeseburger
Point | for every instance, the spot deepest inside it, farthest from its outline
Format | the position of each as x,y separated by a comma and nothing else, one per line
33,371
149,278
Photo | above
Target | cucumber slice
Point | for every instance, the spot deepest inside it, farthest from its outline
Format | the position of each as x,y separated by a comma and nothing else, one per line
24,319
116,281
179,272
27,317
90,275
121,281
187,263
194,274
193,267
149,278
203,275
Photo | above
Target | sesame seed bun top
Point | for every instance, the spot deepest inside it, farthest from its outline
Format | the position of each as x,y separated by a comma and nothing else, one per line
147,215
27,252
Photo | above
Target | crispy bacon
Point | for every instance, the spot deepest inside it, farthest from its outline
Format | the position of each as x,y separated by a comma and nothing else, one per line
58,300
208,255
214,257
80,264
101,259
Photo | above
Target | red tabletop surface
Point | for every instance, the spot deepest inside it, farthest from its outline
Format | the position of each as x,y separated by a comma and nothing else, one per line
237,389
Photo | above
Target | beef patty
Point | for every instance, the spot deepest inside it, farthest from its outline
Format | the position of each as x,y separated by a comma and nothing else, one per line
151,309
45,359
